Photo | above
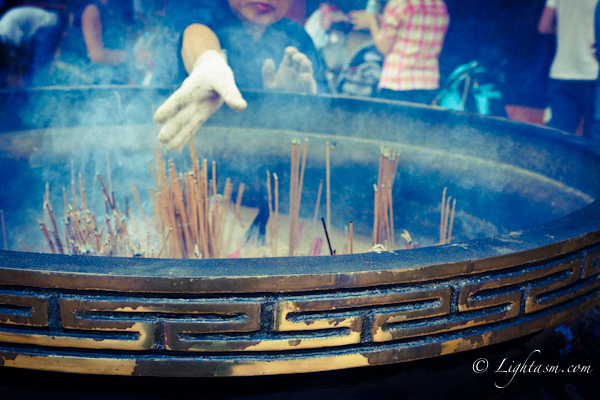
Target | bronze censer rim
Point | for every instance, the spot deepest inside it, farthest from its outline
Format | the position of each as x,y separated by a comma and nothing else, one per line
247,317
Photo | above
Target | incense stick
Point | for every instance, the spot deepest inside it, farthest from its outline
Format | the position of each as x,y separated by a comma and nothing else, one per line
302,168
55,226
446,218
74,199
215,212
383,214
109,177
328,181
327,236
351,239
225,205
25,247
295,155
270,220
164,243
347,243
235,217
375,215
314,225
138,204
391,217
82,192
318,244
451,221
442,216
276,212
5,240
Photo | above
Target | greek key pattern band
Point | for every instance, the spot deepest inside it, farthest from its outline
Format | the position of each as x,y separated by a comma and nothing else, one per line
396,314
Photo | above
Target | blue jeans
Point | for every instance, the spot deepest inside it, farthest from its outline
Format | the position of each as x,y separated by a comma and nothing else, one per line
569,101
595,128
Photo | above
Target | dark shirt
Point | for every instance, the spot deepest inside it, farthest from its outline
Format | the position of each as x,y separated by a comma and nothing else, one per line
245,56
74,53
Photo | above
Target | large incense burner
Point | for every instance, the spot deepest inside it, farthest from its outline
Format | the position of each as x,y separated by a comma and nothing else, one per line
525,253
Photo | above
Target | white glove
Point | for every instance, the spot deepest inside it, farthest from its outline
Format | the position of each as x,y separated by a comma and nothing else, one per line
201,94
295,73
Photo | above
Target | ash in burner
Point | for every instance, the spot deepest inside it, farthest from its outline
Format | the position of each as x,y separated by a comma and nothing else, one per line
190,219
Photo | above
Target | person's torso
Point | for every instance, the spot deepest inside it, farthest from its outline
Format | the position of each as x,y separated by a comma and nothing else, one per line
420,27
417,29
244,54
574,59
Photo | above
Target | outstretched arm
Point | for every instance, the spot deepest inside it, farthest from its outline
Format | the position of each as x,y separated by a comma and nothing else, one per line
210,83
295,73
197,39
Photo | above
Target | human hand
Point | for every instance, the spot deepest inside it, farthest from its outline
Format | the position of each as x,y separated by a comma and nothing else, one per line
295,73
201,94
362,20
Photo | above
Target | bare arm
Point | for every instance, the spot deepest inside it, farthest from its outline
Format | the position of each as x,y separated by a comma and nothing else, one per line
210,84
547,23
365,20
197,39
92,35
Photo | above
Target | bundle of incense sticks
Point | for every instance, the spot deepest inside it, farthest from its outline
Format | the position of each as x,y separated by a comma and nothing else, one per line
190,216
296,183
383,220
446,218
273,222
190,219
317,242
83,235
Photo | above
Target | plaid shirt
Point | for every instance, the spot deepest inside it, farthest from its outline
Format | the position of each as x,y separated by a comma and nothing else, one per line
416,29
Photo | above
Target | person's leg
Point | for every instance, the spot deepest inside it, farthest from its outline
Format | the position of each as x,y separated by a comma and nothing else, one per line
595,126
587,93
566,112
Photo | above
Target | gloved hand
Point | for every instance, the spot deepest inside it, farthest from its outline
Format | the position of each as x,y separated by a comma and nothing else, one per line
295,73
201,94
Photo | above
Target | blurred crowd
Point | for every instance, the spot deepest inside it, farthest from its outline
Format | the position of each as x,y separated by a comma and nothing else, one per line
410,50
78,42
